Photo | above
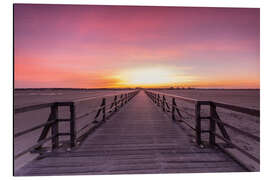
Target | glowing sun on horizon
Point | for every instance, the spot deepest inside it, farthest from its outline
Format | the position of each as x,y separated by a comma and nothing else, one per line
148,77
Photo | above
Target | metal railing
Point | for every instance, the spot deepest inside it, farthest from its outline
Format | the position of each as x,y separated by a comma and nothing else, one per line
161,100
52,124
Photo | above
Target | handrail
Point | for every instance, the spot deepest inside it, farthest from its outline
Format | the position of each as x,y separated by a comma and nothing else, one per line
175,96
53,120
256,138
245,110
213,119
32,107
33,128
46,105
96,97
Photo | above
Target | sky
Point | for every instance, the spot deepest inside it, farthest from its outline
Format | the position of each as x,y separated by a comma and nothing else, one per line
86,46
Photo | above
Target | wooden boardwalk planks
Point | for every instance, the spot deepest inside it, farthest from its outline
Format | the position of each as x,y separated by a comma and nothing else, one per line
138,139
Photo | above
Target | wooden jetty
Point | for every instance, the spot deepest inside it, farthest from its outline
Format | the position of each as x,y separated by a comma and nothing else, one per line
139,138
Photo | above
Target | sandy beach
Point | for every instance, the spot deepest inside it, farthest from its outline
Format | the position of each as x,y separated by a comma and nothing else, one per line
246,98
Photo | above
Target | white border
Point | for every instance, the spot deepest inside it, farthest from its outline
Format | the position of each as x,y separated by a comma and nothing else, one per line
208,3
7,72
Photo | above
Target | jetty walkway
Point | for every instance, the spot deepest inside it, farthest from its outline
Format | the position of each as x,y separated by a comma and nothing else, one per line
139,138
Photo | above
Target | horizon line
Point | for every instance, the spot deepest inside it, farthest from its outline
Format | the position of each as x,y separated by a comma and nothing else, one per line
177,88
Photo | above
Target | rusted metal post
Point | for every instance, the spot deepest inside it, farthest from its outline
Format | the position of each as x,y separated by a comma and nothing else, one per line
198,123
72,126
173,108
55,128
212,125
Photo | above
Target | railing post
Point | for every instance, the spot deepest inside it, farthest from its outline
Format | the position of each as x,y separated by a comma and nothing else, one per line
115,103
212,125
173,108
104,109
125,98
158,100
55,128
198,123
163,103
122,100
72,126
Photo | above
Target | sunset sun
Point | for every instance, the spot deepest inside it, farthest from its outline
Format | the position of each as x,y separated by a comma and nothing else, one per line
149,77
